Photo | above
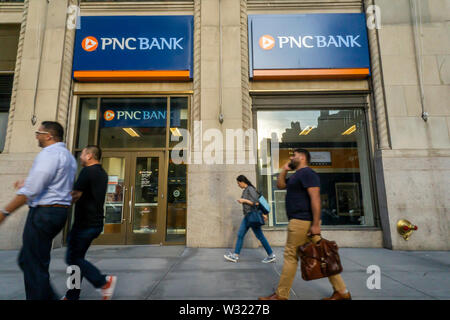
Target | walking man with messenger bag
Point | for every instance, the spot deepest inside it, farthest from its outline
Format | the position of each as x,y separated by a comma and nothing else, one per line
303,210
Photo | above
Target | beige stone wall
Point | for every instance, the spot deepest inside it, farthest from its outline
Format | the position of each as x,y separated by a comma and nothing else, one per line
416,170
214,216
48,34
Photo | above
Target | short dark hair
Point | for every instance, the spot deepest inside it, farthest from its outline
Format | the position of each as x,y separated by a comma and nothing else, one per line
55,129
95,151
305,152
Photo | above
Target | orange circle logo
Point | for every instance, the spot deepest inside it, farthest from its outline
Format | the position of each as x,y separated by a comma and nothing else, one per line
109,115
266,42
89,44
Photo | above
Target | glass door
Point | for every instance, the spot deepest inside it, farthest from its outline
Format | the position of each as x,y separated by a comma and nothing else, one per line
146,223
135,204
116,209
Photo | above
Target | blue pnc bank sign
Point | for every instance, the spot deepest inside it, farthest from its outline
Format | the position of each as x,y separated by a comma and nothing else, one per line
134,43
308,41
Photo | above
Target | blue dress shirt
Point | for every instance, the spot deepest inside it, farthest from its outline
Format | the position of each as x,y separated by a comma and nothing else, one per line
50,180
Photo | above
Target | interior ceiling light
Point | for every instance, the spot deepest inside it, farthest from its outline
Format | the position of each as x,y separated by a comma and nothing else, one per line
349,130
131,132
175,132
307,130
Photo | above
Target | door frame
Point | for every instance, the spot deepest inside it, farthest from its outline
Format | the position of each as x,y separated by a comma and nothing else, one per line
159,237
76,102
118,238
126,235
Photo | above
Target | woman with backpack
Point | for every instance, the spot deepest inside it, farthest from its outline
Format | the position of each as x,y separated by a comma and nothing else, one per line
249,201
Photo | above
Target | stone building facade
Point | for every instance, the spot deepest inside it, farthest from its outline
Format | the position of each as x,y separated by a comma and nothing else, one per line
403,107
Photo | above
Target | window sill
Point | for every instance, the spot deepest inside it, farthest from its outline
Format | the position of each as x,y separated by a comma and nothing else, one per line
328,228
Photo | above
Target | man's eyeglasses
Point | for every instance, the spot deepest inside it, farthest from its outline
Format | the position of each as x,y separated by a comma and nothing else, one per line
41,132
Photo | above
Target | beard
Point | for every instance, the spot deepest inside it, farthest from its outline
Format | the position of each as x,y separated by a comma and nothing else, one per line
294,164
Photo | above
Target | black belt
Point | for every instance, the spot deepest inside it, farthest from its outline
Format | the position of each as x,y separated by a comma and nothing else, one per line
53,206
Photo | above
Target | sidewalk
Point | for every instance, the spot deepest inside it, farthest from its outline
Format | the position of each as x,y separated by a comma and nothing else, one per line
154,272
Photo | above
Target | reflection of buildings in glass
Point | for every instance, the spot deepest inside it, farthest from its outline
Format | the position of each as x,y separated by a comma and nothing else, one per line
342,168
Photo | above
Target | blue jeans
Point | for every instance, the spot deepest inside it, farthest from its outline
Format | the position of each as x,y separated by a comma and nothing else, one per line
42,225
78,243
258,233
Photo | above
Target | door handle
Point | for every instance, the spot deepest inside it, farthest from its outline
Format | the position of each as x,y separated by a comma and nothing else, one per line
125,189
129,203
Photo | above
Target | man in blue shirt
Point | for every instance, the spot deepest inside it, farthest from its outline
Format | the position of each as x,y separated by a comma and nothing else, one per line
47,191
303,211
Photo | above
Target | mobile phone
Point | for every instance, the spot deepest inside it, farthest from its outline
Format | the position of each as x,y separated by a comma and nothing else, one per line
291,165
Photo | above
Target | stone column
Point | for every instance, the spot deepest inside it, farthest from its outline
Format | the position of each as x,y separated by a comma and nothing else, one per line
378,90
214,215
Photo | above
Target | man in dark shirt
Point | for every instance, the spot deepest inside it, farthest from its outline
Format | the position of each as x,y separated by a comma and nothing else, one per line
89,195
303,211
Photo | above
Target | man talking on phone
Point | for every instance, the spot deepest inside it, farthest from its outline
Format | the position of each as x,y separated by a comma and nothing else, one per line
303,210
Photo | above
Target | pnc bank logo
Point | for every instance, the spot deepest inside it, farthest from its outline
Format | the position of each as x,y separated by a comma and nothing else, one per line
109,115
266,42
89,44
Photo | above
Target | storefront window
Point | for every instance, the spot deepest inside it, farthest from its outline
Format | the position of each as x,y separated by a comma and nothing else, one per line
133,133
133,122
178,119
337,140
86,122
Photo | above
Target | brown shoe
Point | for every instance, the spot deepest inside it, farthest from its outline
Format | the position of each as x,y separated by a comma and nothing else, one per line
339,296
272,297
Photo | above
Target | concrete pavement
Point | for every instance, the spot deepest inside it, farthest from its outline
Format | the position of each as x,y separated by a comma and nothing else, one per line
177,272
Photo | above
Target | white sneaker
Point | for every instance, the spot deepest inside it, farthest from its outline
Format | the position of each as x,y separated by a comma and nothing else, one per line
269,259
108,289
231,257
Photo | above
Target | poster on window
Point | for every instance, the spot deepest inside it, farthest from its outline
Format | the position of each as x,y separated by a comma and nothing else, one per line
347,199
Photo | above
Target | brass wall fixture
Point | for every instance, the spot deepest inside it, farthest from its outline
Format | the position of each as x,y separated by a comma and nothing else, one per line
405,228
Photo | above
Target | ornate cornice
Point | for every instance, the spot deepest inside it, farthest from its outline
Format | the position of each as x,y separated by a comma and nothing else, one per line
302,5
11,7
128,7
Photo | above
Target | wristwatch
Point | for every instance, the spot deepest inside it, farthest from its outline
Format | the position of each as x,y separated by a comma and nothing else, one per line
5,213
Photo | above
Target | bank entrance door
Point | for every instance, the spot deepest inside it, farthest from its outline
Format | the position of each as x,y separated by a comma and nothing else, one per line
135,201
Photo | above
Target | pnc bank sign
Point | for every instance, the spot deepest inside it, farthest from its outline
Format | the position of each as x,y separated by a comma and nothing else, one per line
305,42
135,44
90,43
267,42
110,115
138,116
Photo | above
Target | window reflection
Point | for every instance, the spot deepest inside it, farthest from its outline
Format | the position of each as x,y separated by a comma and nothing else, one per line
339,154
